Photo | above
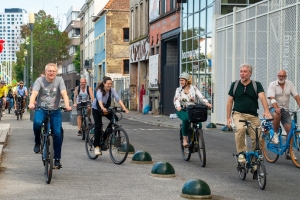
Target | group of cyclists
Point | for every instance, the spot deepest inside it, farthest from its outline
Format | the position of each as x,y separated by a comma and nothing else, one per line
47,91
9,94
242,104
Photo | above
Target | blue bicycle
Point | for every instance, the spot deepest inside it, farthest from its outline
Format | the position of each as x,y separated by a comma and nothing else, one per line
289,145
254,159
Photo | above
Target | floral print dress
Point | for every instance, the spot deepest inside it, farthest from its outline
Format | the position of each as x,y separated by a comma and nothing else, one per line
182,99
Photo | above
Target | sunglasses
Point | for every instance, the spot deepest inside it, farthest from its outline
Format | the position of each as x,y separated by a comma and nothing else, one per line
281,76
245,90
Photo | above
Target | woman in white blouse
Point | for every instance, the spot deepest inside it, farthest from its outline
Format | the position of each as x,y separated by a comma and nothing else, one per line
186,95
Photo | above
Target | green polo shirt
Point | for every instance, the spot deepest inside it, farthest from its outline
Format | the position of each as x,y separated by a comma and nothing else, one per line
245,99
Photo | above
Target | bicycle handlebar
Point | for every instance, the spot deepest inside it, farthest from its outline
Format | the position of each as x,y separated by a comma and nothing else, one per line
248,123
46,109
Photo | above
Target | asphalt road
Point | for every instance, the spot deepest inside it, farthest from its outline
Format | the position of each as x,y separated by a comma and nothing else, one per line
81,178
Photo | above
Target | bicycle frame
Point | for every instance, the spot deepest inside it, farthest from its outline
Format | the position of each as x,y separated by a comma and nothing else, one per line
281,148
47,132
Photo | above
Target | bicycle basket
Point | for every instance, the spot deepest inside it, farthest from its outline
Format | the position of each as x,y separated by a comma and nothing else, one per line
197,113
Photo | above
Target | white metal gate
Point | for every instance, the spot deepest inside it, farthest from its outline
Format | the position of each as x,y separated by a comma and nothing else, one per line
267,36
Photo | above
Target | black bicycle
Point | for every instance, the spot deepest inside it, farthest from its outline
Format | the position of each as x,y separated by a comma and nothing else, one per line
86,121
195,134
196,143
19,111
47,147
114,138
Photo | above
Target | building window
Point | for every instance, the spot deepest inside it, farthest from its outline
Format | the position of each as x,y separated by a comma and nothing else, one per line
125,66
125,34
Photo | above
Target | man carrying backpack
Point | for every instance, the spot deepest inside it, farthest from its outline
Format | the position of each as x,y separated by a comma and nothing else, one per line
82,94
245,98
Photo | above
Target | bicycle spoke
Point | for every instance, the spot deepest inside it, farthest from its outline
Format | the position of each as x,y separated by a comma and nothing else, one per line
118,148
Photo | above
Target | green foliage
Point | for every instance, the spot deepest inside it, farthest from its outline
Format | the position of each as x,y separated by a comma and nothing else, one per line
50,45
76,60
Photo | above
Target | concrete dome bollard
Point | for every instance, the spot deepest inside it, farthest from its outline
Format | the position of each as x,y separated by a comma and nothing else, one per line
226,128
142,157
163,170
196,189
211,125
131,149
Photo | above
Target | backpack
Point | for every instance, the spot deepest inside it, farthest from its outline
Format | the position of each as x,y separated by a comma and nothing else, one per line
10,95
236,84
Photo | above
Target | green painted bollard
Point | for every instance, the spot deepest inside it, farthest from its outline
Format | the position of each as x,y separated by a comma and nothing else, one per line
196,189
163,170
131,149
226,128
211,125
142,157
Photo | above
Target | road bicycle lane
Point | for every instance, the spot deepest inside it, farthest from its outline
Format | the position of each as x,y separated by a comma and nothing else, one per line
82,178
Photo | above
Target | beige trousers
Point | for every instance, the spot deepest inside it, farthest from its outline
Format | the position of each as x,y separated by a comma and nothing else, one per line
240,133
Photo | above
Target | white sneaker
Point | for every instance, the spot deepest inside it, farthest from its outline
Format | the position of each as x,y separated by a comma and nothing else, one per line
241,158
3,113
275,139
97,151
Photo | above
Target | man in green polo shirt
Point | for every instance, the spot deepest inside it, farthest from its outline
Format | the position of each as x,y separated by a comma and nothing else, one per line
245,107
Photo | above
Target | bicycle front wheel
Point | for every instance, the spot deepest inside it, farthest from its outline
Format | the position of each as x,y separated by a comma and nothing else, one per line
201,147
270,156
118,148
261,175
48,156
89,144
295,149
186,153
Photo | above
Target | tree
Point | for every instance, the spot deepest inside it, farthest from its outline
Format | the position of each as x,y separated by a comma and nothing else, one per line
76,60
50,45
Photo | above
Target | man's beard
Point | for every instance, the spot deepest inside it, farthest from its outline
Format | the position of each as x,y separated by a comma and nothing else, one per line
281,82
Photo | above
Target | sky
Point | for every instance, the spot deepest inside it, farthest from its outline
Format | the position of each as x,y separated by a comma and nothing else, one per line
52,7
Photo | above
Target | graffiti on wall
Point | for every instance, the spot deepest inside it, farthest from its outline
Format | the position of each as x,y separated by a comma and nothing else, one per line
139,51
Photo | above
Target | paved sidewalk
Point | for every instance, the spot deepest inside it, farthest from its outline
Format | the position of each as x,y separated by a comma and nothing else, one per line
159,120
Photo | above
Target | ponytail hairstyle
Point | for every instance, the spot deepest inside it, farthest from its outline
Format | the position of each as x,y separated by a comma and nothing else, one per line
101,85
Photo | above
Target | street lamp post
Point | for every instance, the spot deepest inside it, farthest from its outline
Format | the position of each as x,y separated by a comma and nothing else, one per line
25,68
31,25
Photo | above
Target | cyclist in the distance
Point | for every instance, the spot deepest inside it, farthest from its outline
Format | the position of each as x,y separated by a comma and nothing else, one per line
3,93
48,90
21,90
186,95
82,94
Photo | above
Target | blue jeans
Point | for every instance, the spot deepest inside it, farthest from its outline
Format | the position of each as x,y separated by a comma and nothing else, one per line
55,122
11,102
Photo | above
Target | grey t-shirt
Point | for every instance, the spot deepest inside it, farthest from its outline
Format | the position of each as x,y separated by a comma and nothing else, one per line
100,97
49,93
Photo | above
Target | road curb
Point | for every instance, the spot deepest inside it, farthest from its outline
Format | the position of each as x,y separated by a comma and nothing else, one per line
4,130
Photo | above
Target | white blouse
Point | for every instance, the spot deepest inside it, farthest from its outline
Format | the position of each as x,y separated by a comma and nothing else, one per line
182,99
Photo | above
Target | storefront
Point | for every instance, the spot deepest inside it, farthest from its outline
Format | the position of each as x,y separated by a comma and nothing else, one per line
197,38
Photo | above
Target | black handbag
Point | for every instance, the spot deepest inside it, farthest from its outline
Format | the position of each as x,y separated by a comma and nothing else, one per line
197,112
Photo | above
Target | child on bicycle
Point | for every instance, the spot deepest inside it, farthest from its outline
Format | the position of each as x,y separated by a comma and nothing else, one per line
186,95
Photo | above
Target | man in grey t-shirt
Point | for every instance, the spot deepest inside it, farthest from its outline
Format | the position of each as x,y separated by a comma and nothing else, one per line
47,91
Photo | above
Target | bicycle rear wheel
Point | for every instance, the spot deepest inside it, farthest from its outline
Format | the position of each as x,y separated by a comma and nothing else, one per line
85,127
89,144
186,153
261,175
270,156
48,156
118,151
295,149
200,146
